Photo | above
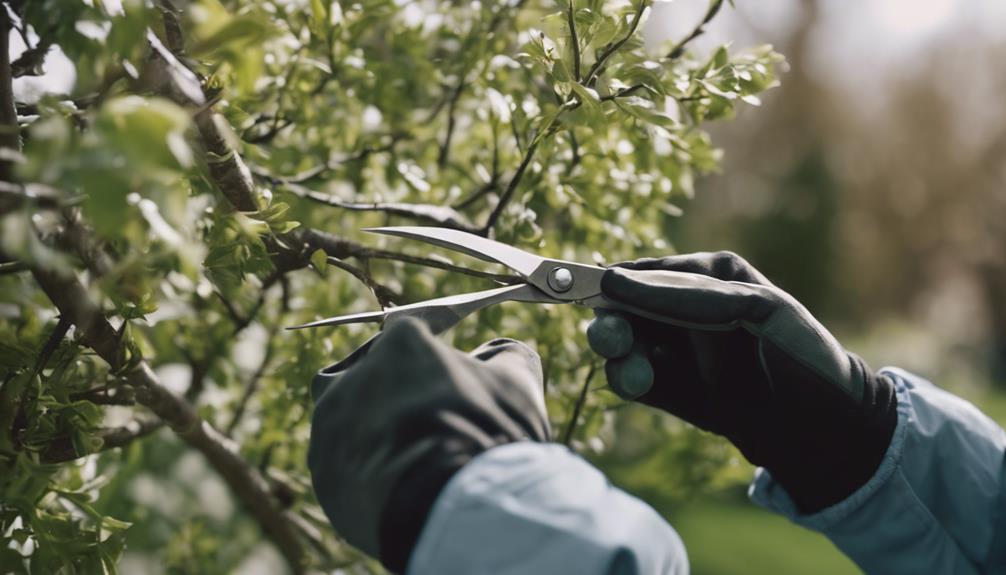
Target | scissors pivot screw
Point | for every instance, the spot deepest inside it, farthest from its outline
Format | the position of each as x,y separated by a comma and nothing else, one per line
560,279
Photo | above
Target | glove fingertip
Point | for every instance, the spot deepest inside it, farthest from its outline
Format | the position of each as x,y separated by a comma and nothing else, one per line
630,377
610,334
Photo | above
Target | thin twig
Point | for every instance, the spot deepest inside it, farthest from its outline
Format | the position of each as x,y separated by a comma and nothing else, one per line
385,296
7,268
622,93
511,187
321,169
63,325
439,215
490,186
451,120
458,90
574,417
612,48
573,40
251,387
699,30
269,134
574,147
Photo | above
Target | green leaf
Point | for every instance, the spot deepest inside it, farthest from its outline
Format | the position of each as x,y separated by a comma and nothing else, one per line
647,73
319,259
319,16
646,111
720,57
147,131
589,102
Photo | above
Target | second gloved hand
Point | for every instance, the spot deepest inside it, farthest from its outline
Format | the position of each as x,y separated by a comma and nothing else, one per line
391,430
739,357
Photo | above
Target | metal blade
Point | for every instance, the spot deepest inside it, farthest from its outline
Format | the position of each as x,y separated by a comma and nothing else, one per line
520,261
444,313
364,317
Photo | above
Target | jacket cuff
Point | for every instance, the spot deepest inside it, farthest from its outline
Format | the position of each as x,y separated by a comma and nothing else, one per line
766,492
539,508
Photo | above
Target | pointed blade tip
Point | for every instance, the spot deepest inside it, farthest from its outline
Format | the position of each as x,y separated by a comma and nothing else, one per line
393,230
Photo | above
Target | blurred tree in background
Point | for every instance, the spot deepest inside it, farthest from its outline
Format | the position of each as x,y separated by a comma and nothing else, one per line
202,183
885,144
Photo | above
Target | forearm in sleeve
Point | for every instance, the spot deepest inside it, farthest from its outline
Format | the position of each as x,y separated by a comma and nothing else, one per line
937,503
539,508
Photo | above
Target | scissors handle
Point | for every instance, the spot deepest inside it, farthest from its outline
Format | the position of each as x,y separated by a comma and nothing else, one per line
603,302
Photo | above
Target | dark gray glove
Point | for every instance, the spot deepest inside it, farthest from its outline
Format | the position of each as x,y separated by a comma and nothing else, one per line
391,430
743,359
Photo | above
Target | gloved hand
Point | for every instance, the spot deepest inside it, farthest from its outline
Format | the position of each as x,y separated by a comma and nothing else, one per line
745,360
390,432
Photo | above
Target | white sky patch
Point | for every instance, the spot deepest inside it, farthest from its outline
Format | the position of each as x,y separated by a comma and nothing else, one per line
912,19
59,77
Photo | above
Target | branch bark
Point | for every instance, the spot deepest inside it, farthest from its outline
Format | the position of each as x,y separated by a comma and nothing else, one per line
444,216
10,136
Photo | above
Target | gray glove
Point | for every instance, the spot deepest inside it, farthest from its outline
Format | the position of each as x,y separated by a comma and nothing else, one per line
742,358
393,428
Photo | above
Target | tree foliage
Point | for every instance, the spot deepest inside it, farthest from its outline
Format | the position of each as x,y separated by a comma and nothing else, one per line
204,185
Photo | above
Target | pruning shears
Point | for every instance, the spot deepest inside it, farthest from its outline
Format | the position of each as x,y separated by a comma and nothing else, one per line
546,281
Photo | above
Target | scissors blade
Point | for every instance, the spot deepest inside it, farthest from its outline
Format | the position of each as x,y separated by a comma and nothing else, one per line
442,313
518,260
364,317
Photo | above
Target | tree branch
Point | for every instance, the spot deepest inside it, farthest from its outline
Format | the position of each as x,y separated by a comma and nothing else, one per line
699,30
251,387
51,343
7,268
612,48
10,134
452,102
574,417
317,171
511,187
451,108
443,216
385,296
227,170
573,40
622,93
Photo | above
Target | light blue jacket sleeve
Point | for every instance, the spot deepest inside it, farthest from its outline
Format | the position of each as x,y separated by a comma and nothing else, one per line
539,508
937,503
